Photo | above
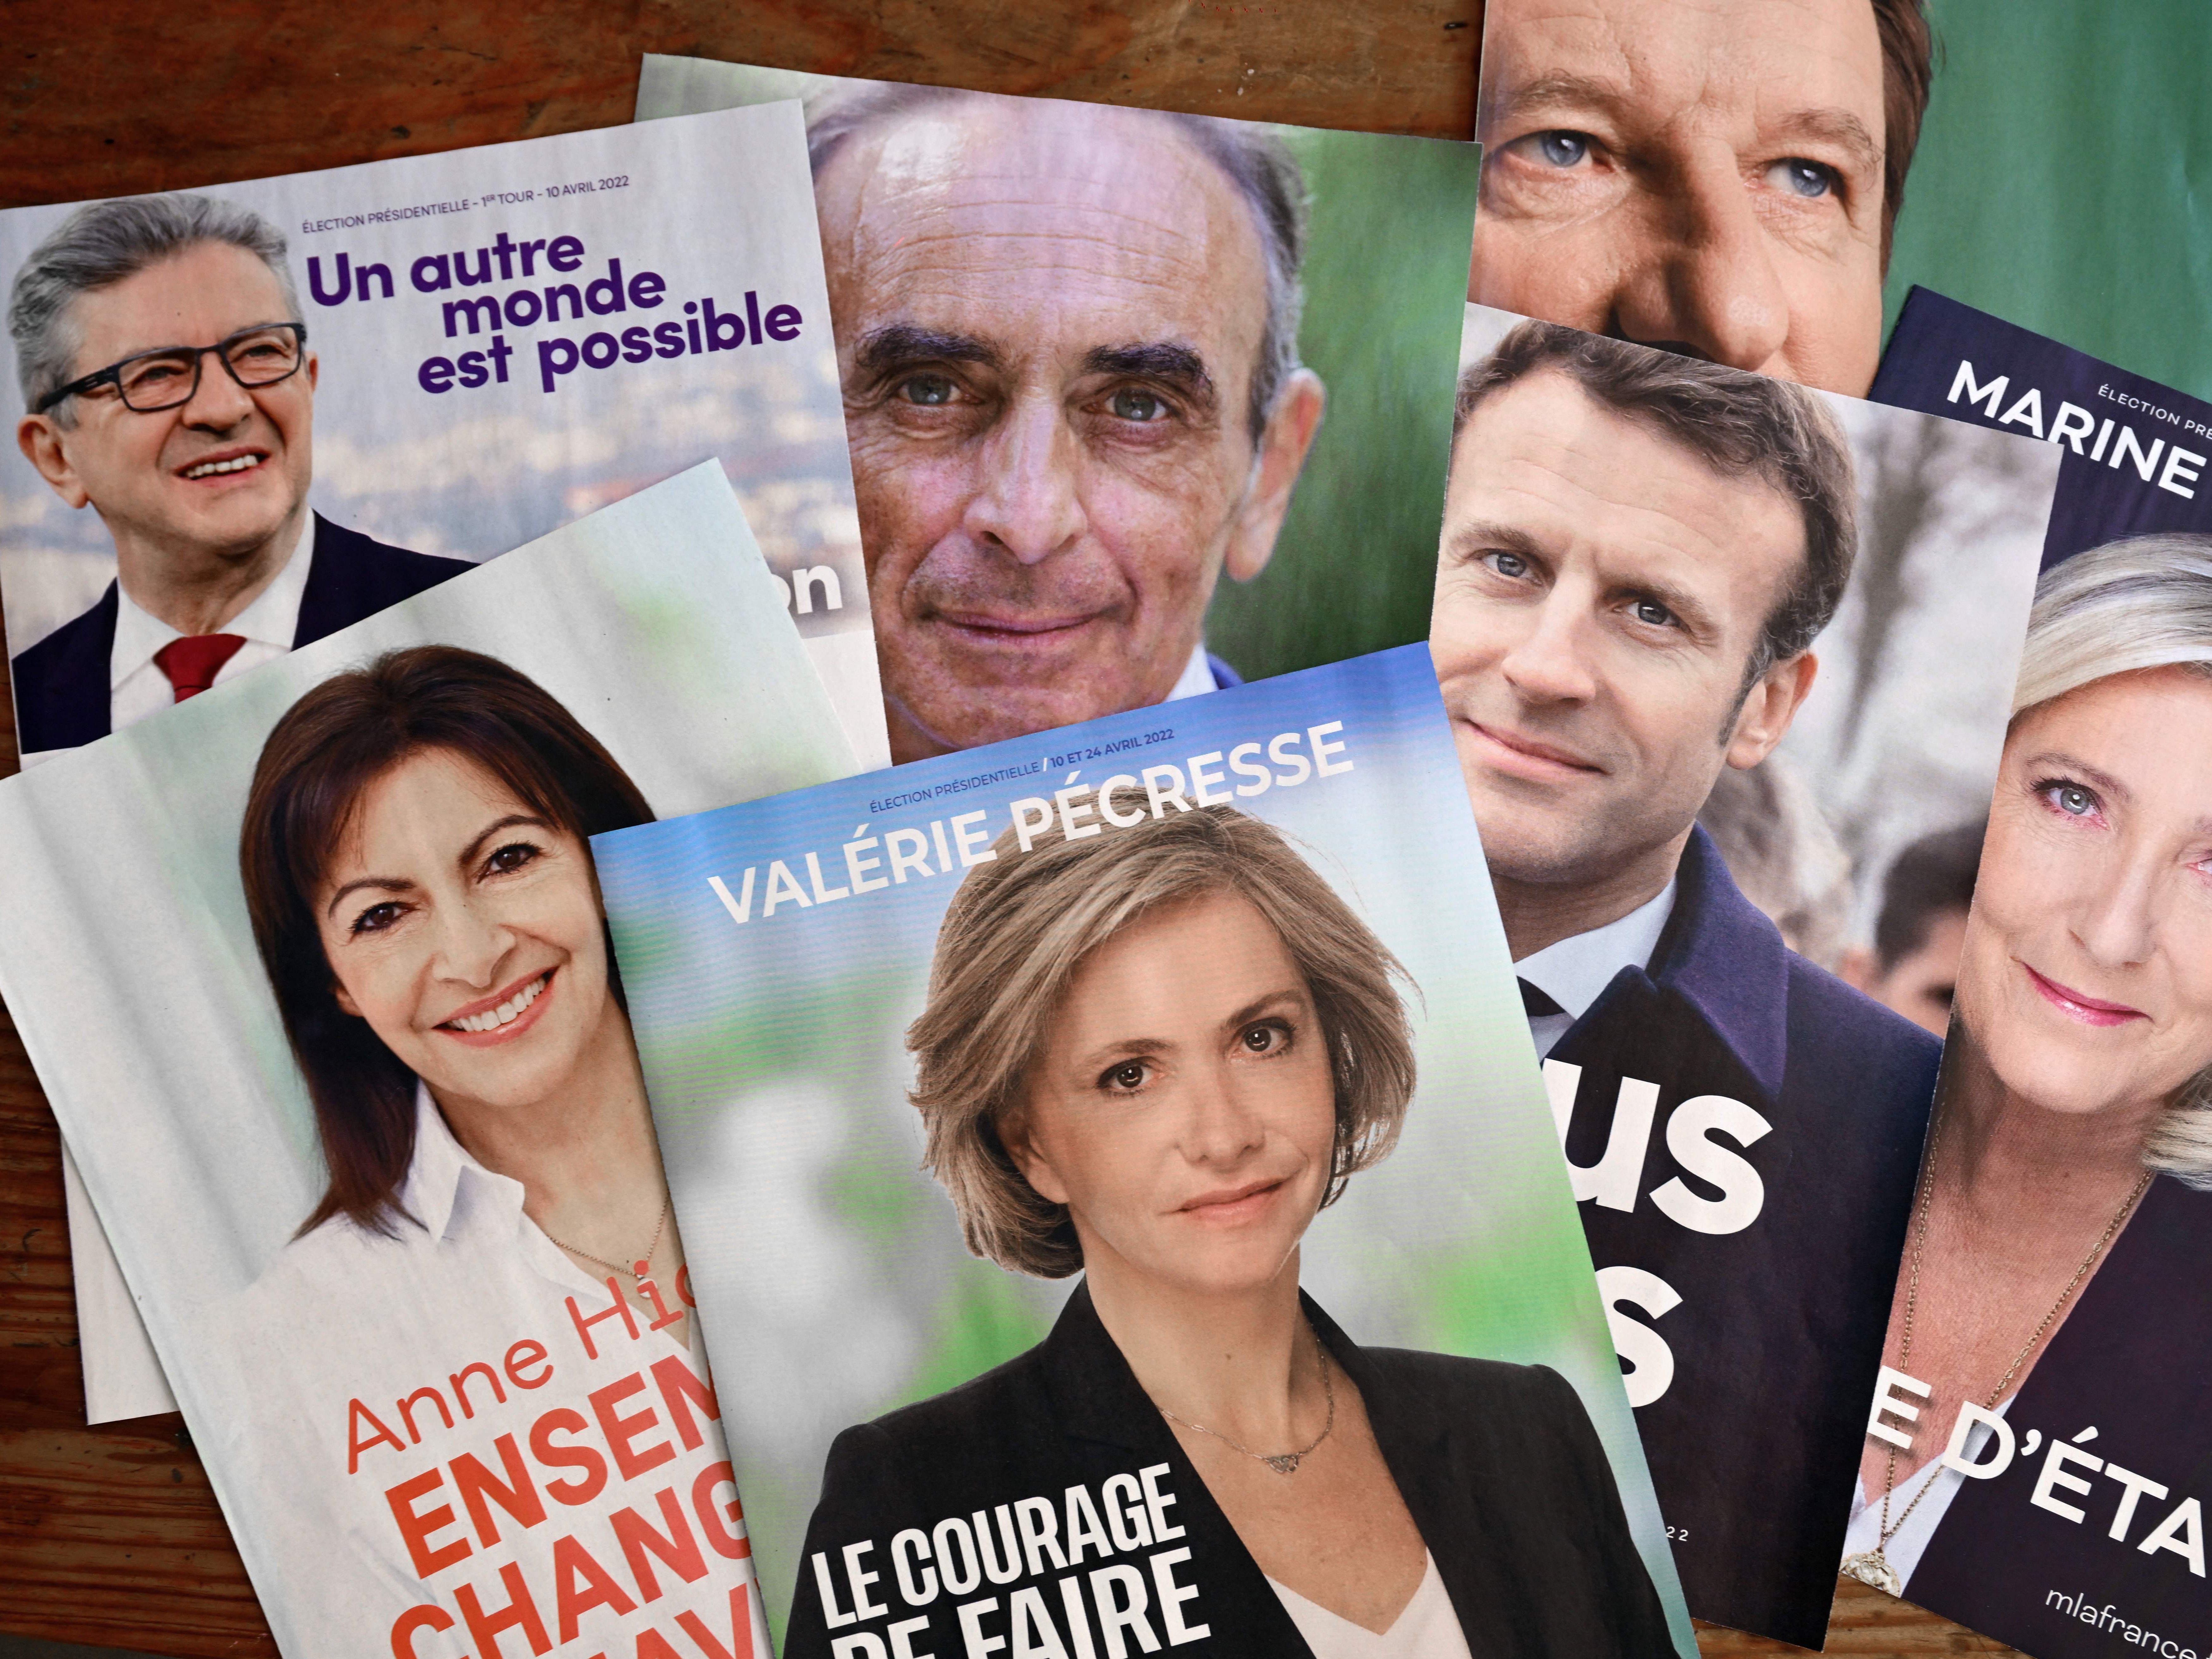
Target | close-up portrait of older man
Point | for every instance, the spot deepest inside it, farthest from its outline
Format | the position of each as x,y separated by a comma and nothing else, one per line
1720,178
168,384
1067,335
1639,550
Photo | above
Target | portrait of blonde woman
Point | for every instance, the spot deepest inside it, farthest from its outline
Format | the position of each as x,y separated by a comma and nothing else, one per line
1151,1057
2055,1278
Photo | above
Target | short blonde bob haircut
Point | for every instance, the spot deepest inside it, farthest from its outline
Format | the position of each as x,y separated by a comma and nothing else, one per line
1022,924
2127,606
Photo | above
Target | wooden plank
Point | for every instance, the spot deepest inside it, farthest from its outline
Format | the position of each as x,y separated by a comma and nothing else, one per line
111,1536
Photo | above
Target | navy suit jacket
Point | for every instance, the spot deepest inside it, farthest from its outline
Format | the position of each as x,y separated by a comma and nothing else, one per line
2130,1362
1776,1341
1497,1465
62,681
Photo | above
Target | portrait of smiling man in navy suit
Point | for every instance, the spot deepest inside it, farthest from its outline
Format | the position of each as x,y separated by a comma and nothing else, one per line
168,384
1640,549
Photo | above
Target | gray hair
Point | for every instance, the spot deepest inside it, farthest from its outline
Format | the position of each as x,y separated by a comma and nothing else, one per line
2130,606
101,244
1266,176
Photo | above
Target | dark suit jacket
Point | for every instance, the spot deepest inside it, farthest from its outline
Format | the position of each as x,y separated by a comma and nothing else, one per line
1497,1464
61,683
2131,1361
1755,1443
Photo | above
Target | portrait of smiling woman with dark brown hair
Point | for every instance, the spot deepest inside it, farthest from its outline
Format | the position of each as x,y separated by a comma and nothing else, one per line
2055,1287
416,868
1152,1056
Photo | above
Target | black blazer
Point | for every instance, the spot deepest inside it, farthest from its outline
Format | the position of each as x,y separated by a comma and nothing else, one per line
1497,1464
1755,1443
61,683
2129,1361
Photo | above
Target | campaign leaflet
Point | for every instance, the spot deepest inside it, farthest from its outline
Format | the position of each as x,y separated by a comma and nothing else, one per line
1199,968
2132,452
1135,410
1761,184
1725,657
313,972
2044,1478
496,342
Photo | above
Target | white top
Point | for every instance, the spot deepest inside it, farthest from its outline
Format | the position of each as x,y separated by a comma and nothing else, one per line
1425,1628
1908,1543
1575,971
1197,677
346,1316
136,687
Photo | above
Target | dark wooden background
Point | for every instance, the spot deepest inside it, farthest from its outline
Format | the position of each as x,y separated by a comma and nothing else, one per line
111,1536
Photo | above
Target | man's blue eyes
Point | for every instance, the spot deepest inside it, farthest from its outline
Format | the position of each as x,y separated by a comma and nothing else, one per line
930,390
935,391
1563,149
1809,179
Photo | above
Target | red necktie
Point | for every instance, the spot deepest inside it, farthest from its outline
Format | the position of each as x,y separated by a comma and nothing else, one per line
192,662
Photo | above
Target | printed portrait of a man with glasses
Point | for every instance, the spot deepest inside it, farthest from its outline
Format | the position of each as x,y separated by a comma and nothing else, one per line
169,385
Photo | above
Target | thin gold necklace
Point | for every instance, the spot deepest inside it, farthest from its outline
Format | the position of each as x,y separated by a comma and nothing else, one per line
1872,1567
645,1261
1281,1462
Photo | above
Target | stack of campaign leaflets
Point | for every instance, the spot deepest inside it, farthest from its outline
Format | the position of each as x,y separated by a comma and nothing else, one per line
425,361
314,972
972,875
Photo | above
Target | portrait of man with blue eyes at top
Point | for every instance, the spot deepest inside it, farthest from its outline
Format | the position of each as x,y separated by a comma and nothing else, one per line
1718,177
1067,335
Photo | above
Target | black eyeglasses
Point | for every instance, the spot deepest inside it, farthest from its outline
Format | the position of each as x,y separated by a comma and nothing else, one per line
168,379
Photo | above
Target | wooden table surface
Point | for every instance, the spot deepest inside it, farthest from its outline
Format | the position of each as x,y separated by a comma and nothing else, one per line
111,1536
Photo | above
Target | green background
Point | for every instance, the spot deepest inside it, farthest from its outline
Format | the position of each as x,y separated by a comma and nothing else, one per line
1386,283
2063,178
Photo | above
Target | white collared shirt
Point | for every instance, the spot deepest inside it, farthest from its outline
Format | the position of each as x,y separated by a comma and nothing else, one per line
136,687
403,1324
1574,972
1197,675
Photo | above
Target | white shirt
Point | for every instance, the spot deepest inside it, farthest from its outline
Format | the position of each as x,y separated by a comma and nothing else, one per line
1197,675
136,687
1910,1542
347,1316
1574,972
1426,1627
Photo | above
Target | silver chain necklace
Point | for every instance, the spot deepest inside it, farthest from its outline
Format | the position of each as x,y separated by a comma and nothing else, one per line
1281,1462
645,1261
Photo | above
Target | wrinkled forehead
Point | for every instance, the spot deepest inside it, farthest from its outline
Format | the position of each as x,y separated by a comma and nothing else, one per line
193,297
1658,59
1041,214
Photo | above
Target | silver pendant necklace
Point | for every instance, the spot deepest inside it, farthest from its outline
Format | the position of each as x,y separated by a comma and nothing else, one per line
1281,1462
1872,1567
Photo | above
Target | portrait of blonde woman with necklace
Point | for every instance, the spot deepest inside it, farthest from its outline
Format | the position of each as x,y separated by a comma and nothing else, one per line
2056,1269
1151,1057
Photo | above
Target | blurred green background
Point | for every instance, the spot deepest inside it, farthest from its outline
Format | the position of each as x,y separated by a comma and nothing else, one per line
2063,175
1385,282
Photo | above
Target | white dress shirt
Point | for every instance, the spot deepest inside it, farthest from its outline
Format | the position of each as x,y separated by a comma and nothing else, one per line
1910,1542
1197,675
136,687
346,1316
1574,972
1426,1627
